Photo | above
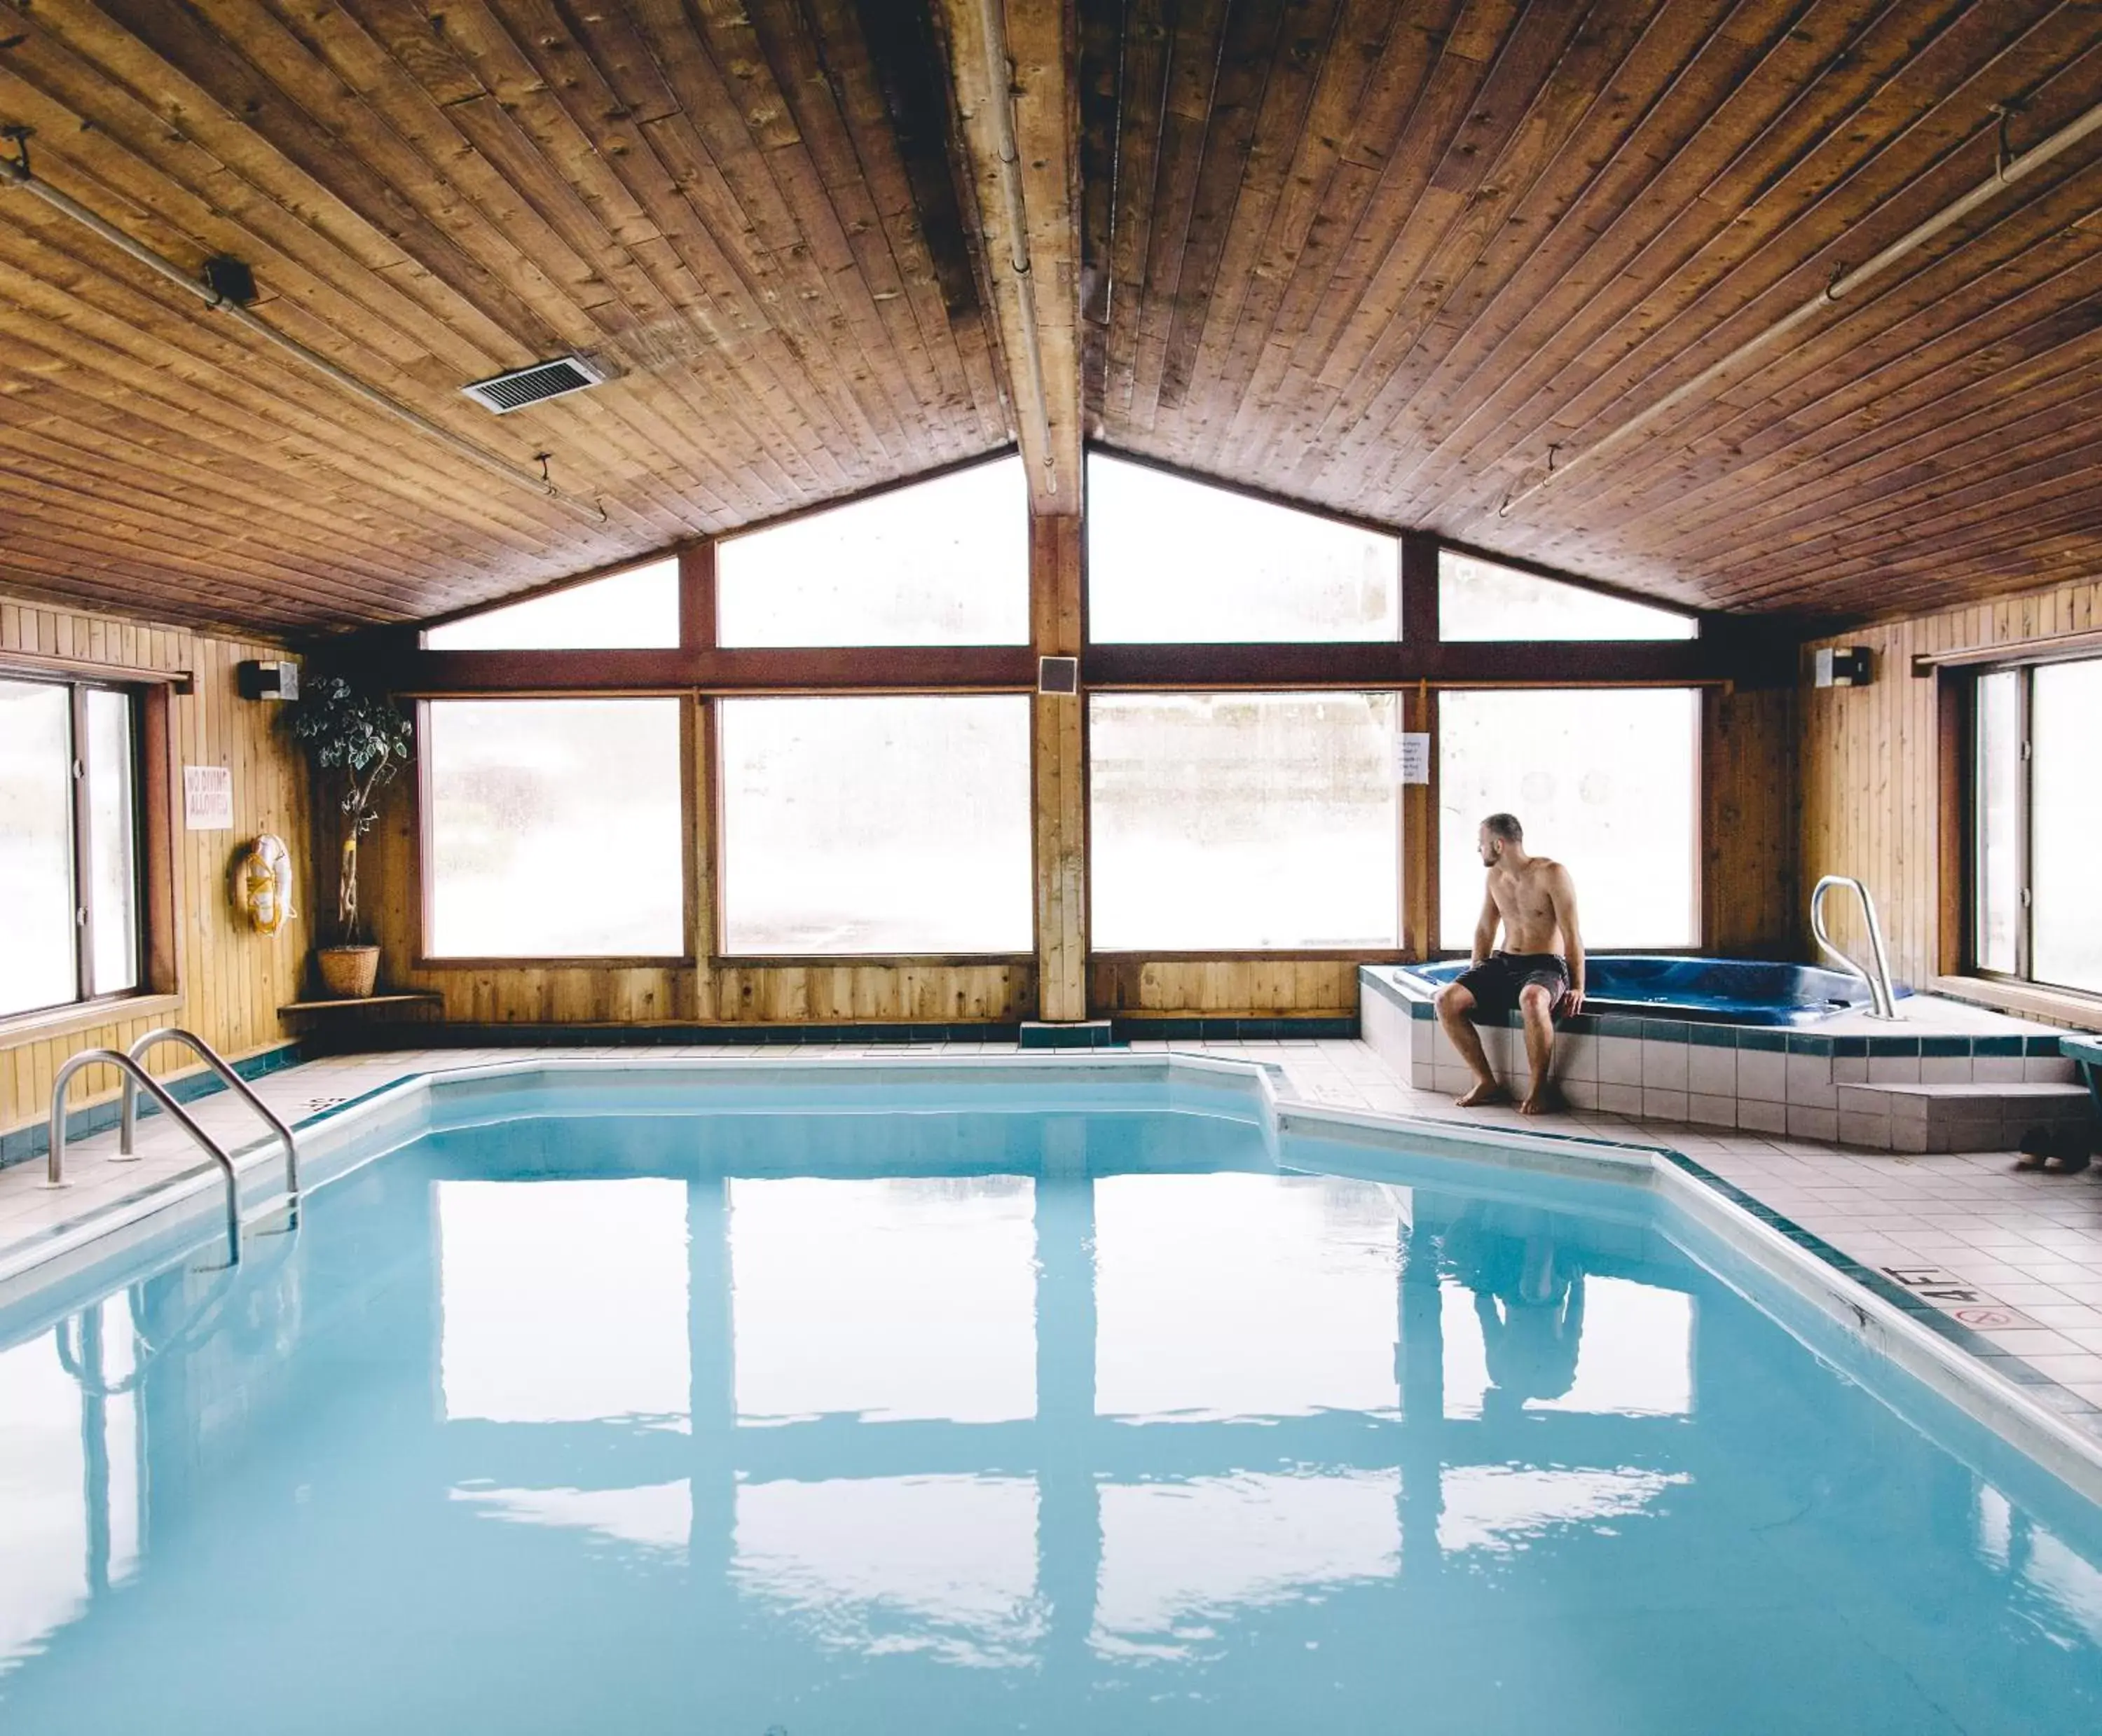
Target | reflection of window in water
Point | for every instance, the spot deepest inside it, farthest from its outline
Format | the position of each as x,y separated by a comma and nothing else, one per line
940,1565
2064,1588
1177,1556
1526,1327
70,1487
1242,1296
563,1301
655,1519
897,1299
1503,1508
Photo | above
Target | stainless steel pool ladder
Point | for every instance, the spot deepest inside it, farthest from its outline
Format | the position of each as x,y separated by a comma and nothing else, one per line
137,1078
1882,993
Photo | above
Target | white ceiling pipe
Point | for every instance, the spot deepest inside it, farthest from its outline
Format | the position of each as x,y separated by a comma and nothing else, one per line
2006,174
15,173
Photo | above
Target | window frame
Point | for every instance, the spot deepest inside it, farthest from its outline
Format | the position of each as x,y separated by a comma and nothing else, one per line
1967,819
421,841
1416,666
154,986
1406,820
718,840
1433,862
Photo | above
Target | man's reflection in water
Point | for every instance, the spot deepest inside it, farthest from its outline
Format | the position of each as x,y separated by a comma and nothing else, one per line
1528,1297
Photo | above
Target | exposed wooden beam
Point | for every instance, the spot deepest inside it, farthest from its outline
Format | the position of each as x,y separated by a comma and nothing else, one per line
1012,69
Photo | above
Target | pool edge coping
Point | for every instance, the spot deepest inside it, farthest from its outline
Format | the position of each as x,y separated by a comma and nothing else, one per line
1953,1363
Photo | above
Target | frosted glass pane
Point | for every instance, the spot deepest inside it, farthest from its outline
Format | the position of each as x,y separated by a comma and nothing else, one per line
944,562
555,829
1998,783
113,844
1243,822
635,610
38,966
1477,600
1170,559
876,825
1605,781
2066,824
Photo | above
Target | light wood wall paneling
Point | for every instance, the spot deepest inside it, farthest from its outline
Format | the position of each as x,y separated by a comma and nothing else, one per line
1061,774
231,980
1750,886
1872,765
1249,987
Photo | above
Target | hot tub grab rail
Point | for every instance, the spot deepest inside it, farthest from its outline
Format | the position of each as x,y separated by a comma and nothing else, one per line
1882,993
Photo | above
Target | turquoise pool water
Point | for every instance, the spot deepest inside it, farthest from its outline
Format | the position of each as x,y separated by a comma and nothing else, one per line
791,1425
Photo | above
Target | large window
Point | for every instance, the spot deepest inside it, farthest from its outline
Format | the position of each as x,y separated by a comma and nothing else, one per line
888,825
1482,599
70,857
938,563
1170,559
555,829
637,610
2038,828
1243,822
1605,781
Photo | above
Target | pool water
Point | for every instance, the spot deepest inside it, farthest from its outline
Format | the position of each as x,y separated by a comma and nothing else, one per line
791,1425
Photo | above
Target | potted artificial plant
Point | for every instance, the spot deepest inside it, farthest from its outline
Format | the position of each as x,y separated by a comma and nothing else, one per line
365,738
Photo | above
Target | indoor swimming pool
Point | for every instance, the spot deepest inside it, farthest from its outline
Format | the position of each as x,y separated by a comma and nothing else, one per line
694,1412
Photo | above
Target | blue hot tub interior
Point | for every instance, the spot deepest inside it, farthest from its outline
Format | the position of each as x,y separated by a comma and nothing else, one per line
1708,991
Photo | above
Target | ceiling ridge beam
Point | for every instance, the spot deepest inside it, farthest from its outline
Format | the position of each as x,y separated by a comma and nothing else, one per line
1017,96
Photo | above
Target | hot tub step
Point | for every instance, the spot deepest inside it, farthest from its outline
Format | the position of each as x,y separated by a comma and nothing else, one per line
1914,1117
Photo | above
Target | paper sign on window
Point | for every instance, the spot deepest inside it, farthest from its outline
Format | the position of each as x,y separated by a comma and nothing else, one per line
1411,757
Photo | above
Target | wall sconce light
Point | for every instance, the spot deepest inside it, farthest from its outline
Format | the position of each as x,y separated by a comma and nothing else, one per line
275,680
1846,665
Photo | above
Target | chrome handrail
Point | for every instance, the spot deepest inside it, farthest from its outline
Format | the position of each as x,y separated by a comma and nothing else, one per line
204,1052
1883,993
55,1169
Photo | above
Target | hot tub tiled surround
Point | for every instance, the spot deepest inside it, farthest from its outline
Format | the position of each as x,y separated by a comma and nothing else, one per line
1947,1078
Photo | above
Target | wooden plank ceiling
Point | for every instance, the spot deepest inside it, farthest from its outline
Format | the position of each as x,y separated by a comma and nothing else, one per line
1381,256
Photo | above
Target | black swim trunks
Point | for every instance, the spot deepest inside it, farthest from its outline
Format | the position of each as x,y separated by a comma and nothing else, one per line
1496,984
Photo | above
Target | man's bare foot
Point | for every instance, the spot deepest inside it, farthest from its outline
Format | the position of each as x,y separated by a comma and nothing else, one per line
1486,1091
1542,1102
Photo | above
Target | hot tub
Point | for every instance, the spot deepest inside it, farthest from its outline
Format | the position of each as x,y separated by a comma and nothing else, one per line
1703,991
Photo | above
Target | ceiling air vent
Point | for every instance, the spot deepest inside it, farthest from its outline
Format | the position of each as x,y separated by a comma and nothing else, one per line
543,380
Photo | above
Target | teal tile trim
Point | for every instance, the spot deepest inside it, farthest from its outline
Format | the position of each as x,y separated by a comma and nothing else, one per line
1752,1037
2061,1399
26,1144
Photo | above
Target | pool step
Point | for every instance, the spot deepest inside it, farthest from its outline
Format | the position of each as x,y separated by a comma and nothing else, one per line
1975,1117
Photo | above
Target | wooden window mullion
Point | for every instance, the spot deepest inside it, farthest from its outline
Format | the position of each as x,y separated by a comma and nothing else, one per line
83,859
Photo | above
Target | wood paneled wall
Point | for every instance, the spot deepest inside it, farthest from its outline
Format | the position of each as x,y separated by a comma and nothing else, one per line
231,980
1869,764
1751,890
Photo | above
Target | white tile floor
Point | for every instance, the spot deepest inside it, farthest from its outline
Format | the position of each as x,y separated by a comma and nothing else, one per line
2016,1257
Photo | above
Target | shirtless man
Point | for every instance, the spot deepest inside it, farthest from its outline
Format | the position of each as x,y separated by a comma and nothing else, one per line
1539,970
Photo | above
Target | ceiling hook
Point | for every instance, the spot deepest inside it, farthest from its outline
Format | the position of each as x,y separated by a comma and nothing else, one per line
21,135
541,459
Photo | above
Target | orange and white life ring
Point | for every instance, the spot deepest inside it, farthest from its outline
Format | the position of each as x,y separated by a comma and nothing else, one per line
262,883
